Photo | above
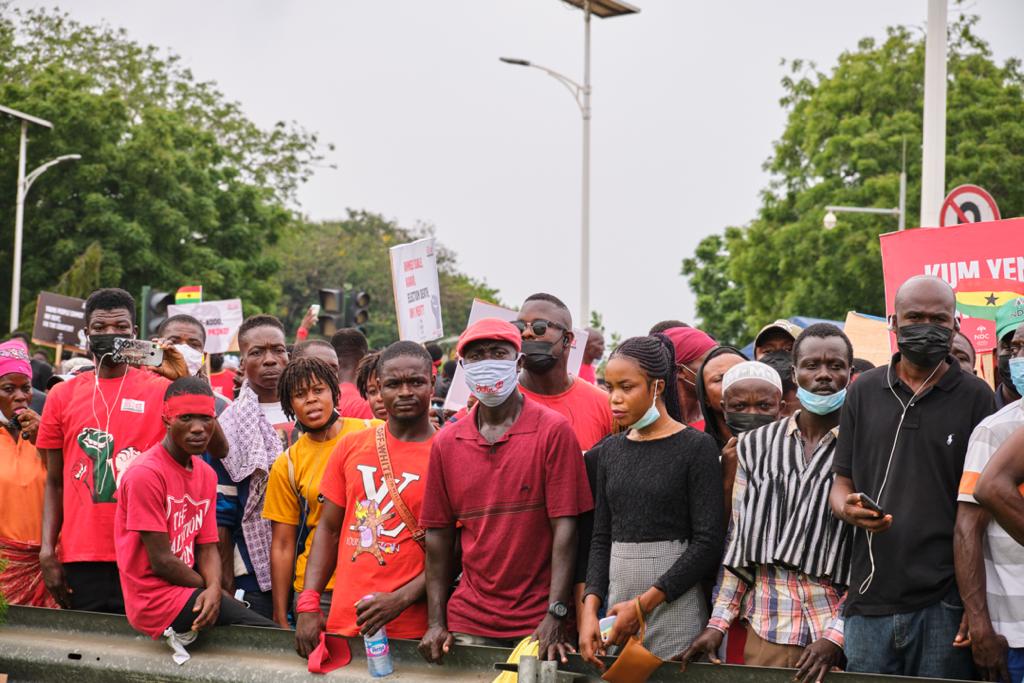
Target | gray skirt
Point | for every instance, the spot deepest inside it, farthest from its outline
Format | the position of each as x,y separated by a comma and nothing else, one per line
633,569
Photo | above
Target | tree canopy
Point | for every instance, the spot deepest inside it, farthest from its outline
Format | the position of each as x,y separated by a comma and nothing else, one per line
175,183
842,145
355,251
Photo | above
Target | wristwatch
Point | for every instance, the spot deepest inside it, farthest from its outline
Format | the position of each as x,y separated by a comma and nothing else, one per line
558,609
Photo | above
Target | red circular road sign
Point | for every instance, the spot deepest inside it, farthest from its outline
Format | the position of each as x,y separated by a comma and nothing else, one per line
968,204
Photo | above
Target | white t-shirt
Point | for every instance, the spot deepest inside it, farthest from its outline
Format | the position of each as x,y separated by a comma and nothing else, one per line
1004,557
274,413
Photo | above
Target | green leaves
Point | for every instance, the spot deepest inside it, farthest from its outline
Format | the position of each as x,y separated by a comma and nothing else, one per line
842,145
175,183
355,251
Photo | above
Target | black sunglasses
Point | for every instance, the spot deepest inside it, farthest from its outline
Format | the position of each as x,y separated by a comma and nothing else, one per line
539,326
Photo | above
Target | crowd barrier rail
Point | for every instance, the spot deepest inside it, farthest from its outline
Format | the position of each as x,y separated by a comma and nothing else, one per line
84,647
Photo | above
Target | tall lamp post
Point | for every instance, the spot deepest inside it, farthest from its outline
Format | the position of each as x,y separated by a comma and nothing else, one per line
581,93
24,183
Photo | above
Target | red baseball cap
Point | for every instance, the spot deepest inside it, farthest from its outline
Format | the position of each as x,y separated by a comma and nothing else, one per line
490,328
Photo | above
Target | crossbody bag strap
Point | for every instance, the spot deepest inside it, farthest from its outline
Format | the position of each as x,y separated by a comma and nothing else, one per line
418,534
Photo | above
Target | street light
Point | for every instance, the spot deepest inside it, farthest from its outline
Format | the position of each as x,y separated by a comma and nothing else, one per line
900,211
581,93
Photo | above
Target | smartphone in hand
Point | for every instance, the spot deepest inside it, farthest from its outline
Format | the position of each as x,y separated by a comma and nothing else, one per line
137,352
870,504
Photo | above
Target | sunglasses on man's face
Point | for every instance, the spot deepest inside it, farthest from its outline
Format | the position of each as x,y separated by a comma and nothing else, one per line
539,326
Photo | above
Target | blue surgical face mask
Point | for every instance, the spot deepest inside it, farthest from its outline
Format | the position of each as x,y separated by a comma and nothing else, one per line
492,381
821,404
652,414
1017,374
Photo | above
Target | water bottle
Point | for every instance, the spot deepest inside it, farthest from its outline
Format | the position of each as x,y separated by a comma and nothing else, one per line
378,654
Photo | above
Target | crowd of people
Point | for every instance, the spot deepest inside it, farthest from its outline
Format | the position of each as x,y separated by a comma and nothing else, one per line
798,509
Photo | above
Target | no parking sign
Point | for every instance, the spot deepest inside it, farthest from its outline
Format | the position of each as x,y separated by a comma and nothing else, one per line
968,204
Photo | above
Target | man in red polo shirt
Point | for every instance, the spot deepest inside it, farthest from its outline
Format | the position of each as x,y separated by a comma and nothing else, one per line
512,475
546,327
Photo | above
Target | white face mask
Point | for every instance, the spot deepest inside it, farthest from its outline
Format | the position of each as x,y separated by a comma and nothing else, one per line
492,381
193,358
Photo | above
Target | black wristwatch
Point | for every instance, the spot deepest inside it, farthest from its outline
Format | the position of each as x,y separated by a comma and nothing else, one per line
558,609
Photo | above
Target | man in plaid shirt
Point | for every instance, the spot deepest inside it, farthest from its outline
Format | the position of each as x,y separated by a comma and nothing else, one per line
787,562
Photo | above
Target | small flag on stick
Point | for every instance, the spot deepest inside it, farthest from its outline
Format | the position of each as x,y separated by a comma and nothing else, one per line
191,294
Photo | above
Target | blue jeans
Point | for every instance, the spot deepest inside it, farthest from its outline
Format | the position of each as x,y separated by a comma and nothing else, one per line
913,644
1015,663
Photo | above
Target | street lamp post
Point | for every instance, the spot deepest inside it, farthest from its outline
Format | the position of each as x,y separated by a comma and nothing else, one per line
581,93
900,211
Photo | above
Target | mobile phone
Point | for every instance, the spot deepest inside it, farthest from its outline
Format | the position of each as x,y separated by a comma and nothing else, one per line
314,310
437,403
137,352
870,504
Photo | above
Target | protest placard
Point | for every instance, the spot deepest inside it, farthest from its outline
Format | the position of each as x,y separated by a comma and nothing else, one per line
458,394
982,262
417,293
60,322
221,319
869,336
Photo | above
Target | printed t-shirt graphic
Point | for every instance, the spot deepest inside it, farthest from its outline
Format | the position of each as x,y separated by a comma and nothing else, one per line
376,551
101,432
158,494
309,460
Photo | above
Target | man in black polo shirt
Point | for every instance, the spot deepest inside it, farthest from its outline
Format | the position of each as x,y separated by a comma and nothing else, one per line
902,441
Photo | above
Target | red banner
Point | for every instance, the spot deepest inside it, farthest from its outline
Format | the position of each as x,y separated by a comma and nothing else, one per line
983,262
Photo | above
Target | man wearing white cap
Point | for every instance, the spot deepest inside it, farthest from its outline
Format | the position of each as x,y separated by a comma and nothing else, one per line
751,396
787,560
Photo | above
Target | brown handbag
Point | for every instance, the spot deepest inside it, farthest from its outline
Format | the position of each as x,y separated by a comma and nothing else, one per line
418,534
635,663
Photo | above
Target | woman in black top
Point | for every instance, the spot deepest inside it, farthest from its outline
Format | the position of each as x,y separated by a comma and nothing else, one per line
658,524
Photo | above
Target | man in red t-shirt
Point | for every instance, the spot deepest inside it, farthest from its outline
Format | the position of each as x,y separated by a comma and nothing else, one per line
512,475
593,352
351,346
546,326
222,379
165,527
93,427
366,537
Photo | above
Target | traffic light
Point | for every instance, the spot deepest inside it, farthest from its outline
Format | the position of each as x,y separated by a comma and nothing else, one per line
332,315
357,312
156,311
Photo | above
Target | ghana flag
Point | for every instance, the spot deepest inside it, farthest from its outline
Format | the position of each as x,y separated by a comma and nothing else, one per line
982,297
191,294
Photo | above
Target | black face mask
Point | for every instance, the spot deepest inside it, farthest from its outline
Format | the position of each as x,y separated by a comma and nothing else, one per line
744,422
101,345
538,356
1004,373
330,422
926,344
781,362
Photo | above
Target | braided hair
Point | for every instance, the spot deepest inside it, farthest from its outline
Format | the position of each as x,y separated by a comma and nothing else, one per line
366,369
303,372
657,358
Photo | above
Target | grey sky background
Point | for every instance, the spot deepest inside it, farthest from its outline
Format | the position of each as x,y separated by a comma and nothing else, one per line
430,127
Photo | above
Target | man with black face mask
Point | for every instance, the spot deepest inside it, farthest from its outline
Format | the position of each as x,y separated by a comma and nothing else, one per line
1008,318
774,346
903,436
92,429
546,326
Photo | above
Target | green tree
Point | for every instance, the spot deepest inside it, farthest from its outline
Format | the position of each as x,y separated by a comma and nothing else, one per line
355,251
843,144
175,182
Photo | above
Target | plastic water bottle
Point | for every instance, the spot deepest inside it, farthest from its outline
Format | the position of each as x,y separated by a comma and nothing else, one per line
378,654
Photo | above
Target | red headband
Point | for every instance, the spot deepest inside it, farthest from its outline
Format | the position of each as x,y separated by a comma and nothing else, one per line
189,404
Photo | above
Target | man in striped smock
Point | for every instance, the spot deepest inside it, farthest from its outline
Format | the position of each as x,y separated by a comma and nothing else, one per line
788,558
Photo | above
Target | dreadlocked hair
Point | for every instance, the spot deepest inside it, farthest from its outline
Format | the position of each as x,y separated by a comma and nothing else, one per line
366,369
301,373
657,358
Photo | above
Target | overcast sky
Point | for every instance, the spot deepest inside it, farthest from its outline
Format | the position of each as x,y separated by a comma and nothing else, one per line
430,127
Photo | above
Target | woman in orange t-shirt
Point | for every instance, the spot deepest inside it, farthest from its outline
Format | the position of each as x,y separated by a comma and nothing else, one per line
22,481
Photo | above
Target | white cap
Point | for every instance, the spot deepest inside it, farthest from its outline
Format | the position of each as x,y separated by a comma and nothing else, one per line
751,369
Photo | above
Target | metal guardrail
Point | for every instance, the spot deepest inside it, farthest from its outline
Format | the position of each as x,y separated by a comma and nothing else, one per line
84,647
